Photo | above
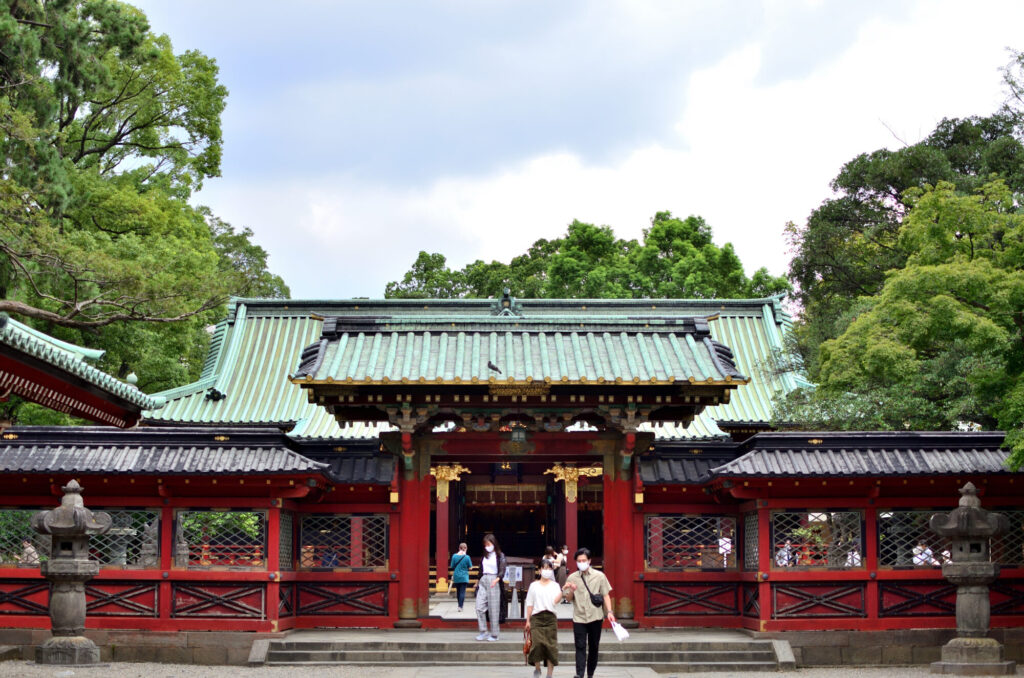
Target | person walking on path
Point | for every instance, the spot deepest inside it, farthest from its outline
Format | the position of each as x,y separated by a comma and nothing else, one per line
459,565
561,567
583,587
541,621
488,589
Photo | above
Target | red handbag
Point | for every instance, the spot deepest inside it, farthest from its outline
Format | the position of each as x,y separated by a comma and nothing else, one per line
527,644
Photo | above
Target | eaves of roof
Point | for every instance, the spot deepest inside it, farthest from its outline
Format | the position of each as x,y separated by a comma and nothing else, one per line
71,360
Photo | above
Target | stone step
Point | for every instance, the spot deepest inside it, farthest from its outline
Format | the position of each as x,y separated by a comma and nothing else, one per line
690,667
393,657
503,644
678,656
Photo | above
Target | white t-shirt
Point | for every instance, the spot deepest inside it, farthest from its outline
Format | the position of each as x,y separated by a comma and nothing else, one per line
543,597
489,564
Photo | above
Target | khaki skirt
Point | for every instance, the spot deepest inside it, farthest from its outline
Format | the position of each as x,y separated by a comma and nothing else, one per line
544,632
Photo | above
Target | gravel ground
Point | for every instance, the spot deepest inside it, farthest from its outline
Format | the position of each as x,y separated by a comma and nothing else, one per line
125,670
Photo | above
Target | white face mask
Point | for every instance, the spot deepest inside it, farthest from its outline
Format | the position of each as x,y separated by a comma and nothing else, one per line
565,551
489,548
547,574
583,567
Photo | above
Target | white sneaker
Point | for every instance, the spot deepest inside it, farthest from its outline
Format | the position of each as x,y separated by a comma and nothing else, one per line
483,636
492,638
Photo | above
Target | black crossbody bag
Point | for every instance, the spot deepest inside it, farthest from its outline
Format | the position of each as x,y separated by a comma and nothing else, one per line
597,600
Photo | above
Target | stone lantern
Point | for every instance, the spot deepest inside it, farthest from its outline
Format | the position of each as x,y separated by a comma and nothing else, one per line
68,568
969,527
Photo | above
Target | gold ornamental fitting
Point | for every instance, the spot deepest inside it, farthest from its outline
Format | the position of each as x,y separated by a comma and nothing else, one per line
445,474
570,475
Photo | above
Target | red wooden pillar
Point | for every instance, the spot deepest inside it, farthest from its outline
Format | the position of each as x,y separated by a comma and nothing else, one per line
621,544
273,559
765,557
165,589
869,551
355,555
441,533
572,530
413,553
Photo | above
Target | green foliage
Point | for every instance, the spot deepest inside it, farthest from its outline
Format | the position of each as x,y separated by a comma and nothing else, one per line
676,259
941,345
106,132
200,527
849,244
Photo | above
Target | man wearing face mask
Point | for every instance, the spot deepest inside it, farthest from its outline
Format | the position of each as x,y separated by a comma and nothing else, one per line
590,593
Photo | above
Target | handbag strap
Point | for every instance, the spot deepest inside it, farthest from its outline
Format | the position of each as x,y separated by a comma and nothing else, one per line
585,584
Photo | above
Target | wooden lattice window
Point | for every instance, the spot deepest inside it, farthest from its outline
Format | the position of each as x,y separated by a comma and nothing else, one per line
336,540
751,535
820,538
221,539
687,541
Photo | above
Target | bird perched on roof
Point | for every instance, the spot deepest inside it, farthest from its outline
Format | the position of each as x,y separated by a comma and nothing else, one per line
492,366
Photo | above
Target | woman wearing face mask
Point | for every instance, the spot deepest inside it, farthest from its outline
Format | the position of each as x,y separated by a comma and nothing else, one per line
541,622
460,564
488,589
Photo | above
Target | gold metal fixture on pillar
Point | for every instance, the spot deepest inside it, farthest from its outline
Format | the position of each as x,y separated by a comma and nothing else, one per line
444,475
570,475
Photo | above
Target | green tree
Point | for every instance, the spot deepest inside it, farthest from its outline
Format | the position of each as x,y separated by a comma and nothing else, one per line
105,132
941,344
675,259
849,244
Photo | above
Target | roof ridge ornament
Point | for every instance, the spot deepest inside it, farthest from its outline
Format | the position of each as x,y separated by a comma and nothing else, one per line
506,306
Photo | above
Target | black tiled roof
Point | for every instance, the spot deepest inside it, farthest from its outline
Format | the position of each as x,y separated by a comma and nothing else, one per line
154,460
693,470
843,462
361,469
869,454
152,451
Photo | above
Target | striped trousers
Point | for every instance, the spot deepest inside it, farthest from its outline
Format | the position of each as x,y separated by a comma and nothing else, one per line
488,598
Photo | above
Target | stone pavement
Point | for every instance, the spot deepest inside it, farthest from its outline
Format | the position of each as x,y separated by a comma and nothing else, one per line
19,669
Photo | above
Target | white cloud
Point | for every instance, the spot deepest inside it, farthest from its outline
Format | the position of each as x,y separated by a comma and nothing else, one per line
748,156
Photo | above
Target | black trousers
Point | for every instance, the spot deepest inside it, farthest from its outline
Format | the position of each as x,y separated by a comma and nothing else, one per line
587,637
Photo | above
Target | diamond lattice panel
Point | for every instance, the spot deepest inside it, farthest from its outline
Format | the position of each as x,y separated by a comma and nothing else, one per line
235,539
817,539
750,540
676,542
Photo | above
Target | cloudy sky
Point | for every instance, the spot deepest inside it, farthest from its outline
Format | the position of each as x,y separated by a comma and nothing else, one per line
359,133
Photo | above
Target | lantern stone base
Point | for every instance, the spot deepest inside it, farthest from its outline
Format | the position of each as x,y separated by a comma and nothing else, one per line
68,651
974,657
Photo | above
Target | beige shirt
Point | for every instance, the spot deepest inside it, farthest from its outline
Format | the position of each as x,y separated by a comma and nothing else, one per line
584,611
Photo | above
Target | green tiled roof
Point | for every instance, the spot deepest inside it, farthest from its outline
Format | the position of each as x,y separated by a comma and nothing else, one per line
514,350
257,347
72,360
